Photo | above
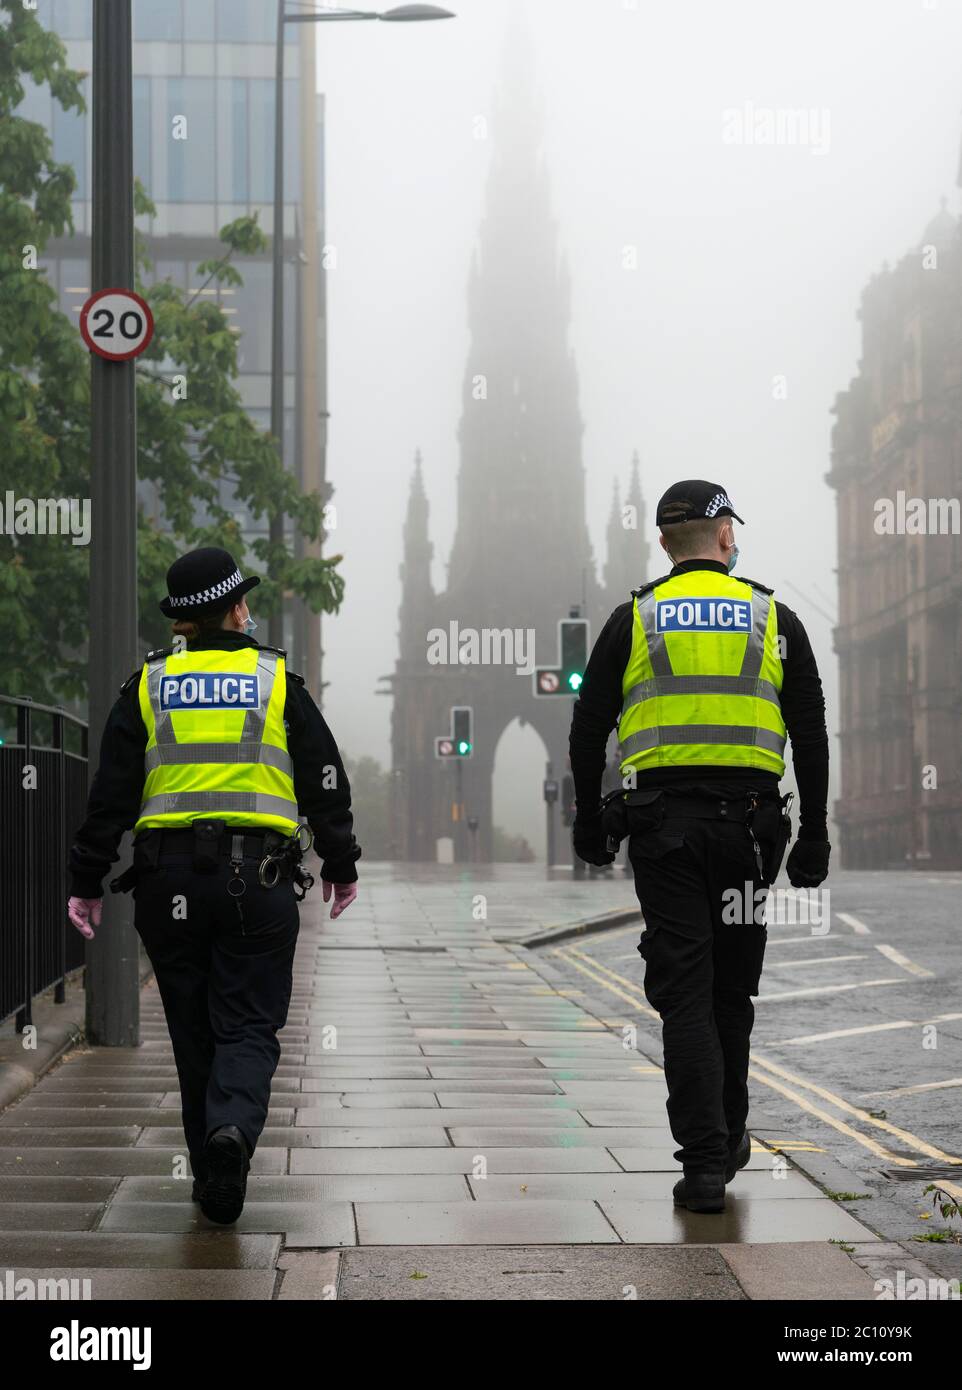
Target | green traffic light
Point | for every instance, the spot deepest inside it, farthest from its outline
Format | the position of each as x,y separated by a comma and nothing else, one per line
574,680
464,746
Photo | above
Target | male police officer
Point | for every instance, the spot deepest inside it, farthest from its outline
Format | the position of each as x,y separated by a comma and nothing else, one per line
705,674
212,752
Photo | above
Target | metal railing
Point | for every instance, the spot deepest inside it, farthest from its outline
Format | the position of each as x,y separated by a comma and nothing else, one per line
43,797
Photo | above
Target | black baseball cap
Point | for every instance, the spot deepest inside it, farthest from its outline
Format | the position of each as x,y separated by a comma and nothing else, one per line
694,500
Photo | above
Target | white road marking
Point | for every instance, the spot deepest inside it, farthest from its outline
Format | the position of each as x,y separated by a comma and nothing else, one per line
914,1090
812,960
826,989
793,940
858,927
897,958
867,1028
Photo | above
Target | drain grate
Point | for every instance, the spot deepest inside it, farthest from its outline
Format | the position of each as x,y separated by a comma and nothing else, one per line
926,1174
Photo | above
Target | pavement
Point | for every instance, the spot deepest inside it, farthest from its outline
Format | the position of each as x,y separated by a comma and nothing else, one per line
450,1119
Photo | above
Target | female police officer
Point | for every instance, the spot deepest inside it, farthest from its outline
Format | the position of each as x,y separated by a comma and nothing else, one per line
211,754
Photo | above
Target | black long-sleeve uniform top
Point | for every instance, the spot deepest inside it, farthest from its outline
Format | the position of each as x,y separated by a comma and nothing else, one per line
598,709
115,794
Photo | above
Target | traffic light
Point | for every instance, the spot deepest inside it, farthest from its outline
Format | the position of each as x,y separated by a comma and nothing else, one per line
566,678
463,734
459,743
574,653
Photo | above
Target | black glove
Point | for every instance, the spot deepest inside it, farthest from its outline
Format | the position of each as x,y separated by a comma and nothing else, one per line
807,865
590,841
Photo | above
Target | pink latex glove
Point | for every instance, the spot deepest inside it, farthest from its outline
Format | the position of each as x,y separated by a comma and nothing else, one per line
344,895
85,914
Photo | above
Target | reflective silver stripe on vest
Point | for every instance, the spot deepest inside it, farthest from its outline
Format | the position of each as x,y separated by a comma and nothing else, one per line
163,725
264,753
657,651
755,646
210,803
253,730
701,685
740,734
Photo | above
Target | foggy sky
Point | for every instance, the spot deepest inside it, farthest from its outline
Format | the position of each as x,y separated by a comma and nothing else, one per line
751,262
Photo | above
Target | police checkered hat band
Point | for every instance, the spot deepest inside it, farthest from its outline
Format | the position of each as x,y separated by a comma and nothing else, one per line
720,499
216,591
202,582
694,500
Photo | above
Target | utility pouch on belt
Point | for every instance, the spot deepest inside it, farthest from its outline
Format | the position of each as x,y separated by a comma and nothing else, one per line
625,811
770,828
773,861
207,836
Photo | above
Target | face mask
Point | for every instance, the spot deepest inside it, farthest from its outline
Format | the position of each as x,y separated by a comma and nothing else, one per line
732,558
250,626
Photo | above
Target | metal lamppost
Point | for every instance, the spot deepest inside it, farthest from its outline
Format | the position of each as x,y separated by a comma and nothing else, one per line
113,1003
401,14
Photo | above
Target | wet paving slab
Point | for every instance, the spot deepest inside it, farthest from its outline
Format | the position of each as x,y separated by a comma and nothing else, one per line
435,1093
474,1223
142,1250
451,1160
308,1223
98,1284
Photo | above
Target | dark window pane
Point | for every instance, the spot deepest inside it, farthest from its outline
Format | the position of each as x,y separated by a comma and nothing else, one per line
72,19
240,183
261,139
253,317
142,130
70,141
158,19
199,22
247,21
190,161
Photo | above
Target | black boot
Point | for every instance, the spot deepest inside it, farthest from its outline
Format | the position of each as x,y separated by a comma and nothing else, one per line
738,1155
198,1167
228,1163
700,1191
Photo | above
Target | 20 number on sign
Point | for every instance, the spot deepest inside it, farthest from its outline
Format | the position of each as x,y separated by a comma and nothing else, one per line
116,324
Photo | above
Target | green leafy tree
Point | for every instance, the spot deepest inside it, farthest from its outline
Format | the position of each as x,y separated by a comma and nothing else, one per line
193,433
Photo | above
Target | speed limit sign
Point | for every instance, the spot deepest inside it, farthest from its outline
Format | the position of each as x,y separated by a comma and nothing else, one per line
116,324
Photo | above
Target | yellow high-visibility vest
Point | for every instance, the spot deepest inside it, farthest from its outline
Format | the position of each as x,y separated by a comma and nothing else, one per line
216,742
703,679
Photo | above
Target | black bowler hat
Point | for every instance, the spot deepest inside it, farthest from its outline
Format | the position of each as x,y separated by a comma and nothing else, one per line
694,500
204,581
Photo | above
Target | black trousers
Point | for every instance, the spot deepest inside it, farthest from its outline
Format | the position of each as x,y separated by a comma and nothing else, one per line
703,903
225,982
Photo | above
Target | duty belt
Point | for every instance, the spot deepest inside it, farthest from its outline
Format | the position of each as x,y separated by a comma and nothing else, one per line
206,842
182,840
733,808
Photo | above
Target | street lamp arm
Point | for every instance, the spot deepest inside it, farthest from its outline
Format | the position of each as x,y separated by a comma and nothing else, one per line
319,16
400,14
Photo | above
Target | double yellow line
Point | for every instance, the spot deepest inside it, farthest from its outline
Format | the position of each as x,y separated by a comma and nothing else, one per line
774,1075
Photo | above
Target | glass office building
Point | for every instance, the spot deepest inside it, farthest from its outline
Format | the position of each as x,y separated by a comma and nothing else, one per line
203,94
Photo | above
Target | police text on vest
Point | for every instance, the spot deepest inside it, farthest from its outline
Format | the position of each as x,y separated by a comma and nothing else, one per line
703,615
210,690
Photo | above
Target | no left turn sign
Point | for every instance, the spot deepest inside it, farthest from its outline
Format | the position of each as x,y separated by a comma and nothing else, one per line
116,324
